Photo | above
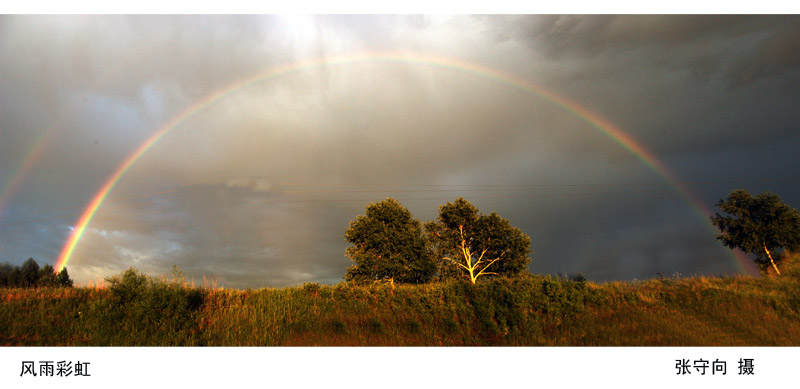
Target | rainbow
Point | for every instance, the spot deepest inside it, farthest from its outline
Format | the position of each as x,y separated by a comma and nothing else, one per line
594,120
32,157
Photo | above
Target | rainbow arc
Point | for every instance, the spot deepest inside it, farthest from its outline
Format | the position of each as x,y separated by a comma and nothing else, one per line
594,120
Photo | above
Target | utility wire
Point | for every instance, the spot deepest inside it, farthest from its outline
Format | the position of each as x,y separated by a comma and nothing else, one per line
145,200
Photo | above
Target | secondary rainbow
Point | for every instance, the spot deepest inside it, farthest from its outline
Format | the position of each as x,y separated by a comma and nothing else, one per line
594,120
31,159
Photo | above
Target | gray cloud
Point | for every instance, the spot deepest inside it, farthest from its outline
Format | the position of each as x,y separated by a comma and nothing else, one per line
257,187
702,44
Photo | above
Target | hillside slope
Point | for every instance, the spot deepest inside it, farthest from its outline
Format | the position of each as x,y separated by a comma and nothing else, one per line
529,311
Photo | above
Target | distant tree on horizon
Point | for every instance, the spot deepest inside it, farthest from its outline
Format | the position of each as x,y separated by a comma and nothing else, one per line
47,276
759,225
30,275
63,278
5,273
30,272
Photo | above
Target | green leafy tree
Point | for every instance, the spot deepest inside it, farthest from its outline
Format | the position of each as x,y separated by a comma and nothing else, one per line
5,273
759,225
475,267
63,278
15,278
388,245
444,235
47,276
461,226
30,272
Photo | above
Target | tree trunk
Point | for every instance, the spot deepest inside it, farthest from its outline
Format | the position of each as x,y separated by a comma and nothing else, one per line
770,260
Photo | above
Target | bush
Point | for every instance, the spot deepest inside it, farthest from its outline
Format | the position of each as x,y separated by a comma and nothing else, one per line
338,326
311,288
142,307
450,326
375,325
413,326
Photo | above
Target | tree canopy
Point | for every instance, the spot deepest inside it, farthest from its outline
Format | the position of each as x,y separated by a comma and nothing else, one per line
759,225
475,265
388,245
490,233
29,274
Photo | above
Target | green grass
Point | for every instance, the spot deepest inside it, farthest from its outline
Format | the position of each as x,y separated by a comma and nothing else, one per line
138,310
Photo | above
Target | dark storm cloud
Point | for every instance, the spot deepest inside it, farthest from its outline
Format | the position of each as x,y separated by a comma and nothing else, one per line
734,45
257,188
657,74
776,54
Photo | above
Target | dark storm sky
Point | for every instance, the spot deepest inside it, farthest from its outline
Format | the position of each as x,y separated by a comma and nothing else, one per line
257,188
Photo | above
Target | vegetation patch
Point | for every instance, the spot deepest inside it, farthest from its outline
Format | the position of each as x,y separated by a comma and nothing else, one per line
140,310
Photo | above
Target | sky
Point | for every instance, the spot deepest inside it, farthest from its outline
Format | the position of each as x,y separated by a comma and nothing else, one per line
605,138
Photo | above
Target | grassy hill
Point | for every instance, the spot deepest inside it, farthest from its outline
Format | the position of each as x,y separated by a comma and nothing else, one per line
138,310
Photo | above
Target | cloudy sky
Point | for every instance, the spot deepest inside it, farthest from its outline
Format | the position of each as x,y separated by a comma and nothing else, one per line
279,130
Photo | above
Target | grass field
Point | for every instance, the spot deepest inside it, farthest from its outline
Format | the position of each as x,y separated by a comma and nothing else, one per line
139,310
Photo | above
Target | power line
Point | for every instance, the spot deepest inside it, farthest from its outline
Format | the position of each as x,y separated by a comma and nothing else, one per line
513,190
270,201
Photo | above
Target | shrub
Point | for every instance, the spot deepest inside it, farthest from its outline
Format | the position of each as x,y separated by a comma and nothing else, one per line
140,308
311,288
339,326
413,326
450,325
375,326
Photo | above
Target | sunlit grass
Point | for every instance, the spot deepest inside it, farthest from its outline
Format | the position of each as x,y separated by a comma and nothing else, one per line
527,311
